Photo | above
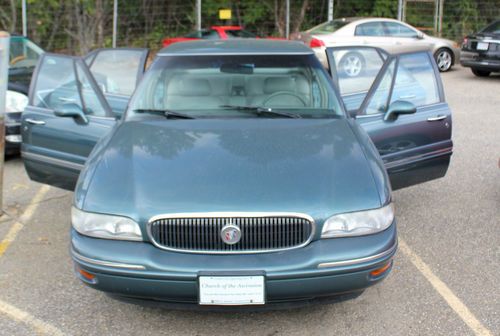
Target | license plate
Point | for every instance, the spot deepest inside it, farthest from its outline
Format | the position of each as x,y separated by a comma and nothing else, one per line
482,46
231,290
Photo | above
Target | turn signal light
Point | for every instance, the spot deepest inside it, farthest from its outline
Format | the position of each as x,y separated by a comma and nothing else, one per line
86,275
315,43
381,270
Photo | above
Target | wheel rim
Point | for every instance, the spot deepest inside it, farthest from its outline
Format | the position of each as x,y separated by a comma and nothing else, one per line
444,60
352,65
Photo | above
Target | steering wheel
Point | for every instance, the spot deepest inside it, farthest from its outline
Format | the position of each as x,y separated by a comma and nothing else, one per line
17,59
284,93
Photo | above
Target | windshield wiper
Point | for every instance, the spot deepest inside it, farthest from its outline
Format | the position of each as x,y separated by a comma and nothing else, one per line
166,113
261,110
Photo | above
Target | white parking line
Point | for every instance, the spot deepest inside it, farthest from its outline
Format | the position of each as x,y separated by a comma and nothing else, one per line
25,217
453,301
38,325
15,313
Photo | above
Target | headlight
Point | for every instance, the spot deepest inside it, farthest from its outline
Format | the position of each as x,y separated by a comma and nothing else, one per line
105,226
358,223
15,101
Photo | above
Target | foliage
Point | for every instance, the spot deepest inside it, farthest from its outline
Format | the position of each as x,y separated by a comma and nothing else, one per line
76,26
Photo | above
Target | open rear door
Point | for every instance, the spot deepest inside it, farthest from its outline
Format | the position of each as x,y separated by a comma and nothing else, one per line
65,117
72,106
402,108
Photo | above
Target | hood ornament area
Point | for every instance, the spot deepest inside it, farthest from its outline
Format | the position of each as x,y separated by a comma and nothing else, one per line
230,234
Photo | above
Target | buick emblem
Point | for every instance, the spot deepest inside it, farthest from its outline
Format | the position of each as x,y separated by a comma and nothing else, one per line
230,234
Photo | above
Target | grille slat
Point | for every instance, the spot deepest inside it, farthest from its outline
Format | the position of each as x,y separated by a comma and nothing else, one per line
258,233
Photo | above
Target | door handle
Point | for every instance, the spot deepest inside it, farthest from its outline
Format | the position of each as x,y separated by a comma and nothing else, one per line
407,97
66,100
436,118
35,122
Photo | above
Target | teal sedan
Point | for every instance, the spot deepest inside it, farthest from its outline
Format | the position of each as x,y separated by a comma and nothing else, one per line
235,175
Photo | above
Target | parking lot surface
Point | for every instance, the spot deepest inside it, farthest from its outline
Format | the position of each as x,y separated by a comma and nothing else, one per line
445,279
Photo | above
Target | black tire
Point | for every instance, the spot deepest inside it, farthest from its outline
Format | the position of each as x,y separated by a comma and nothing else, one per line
444,59
480,73
346,68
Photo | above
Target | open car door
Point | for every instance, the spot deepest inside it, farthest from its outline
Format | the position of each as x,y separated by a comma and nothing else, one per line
397,97
68,112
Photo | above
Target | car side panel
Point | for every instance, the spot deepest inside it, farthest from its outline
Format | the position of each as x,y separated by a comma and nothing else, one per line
413,149
55,152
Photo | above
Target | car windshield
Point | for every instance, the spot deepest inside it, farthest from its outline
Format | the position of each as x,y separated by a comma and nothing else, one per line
229,86
328,27
493,28
23,53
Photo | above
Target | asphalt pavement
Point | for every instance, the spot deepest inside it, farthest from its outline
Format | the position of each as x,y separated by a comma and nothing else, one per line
445,279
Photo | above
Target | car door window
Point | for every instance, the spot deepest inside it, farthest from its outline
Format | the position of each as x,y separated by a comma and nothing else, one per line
63,80
370,29
415,80
56,83
117,70
90,101
398,30
23,53
378,102
354,70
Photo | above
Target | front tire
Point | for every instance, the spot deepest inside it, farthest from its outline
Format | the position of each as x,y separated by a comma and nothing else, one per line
480,73
444,59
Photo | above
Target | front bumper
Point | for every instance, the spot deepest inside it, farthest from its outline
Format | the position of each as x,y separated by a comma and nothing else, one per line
12,133
12,138
487,61
323,268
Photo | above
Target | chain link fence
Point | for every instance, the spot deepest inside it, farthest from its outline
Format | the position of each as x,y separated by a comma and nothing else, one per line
77,26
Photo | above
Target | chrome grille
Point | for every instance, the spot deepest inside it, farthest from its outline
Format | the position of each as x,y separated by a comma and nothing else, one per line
200,233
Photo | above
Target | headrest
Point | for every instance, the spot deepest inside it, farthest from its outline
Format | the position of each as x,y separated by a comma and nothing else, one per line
275,84
189,87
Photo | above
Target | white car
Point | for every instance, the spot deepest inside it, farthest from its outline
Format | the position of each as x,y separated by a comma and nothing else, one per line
374,32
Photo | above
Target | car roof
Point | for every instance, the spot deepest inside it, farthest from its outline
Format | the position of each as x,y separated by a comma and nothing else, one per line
362,19
236,47
397,49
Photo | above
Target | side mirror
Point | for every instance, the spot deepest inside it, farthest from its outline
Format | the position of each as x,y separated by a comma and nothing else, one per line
72,110
399,107
420,35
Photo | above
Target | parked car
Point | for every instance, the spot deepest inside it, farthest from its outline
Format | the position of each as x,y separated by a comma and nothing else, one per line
376,32
214,33
481,51
23,57
236,177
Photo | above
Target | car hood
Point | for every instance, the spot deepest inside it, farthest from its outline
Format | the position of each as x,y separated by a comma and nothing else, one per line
152,167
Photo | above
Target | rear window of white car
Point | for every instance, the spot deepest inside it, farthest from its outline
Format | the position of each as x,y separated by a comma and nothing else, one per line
328,27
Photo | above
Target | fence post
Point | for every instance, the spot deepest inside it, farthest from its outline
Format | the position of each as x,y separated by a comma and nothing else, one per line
330,10
400,10
115,21
287,31
25,21
4,77
198,14
440,22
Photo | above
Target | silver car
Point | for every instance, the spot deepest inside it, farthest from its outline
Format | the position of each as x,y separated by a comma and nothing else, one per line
375,32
